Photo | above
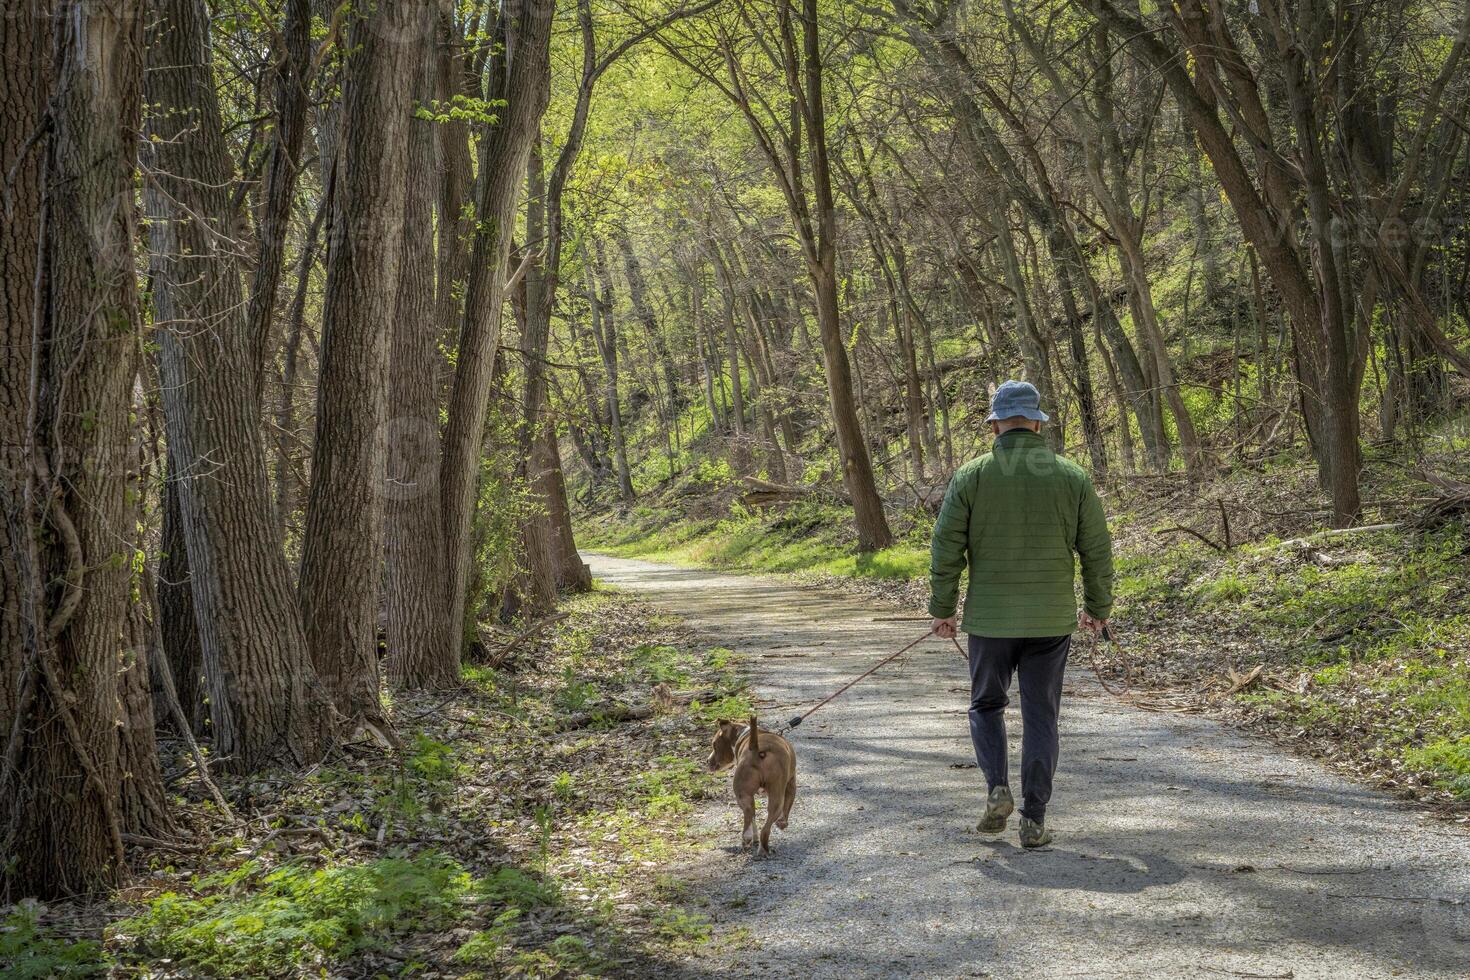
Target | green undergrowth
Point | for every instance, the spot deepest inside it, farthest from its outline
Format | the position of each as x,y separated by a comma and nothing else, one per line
32,951
258,920
807,538
1363,640
519,833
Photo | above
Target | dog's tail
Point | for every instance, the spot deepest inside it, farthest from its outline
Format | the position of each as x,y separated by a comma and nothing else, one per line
755,743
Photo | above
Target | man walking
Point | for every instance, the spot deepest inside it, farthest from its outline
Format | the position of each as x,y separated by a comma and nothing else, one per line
1015,516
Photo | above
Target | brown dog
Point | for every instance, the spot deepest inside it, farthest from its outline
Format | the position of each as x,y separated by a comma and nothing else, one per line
764,763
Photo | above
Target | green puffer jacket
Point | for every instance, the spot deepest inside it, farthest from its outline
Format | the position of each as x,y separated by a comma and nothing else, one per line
1017,514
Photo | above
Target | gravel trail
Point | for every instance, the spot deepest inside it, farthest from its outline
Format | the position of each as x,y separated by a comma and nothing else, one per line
1183,849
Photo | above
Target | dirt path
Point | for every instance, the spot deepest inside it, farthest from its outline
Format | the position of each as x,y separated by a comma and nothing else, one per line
1183,848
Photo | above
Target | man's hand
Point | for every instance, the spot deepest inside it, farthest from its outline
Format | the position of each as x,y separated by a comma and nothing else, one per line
1087,621
945,629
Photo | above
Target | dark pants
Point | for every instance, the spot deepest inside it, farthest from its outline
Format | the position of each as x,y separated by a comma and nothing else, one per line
1040,662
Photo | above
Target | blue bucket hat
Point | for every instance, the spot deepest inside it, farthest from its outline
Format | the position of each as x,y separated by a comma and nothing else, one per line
1017,399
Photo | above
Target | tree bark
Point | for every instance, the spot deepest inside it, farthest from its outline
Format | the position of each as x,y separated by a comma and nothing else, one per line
25,91
69,521
604,334
535,588
290,69
287,481
570,572
1267,212
638,294
342,547
265,707
764,392
732,348
178,626
521,76
782,135
454,75
857,466
422,652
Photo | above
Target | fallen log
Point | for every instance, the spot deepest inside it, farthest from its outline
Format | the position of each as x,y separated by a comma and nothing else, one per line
1454,503
1239,682
616,712
621,711
1336,532
764,493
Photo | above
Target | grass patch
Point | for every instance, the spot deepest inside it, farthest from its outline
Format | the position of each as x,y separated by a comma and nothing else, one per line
807,538
253,921
1366,637
1450,758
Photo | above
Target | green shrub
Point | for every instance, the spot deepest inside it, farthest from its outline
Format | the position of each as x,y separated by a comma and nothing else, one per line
515,889
663,663
252,922
486,945
433,761
1449,759
669,787
1225,588
575,694
28,951
731,706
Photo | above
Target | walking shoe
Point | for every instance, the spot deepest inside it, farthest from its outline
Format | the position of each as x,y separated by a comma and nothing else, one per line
1034,833
998,806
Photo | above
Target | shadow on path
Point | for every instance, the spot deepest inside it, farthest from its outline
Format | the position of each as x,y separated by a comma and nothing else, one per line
1183,848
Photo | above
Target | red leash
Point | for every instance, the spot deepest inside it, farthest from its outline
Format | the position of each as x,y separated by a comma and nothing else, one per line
871,670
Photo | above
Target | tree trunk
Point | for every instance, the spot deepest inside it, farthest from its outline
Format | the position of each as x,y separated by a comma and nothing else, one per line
287,481
857,465
422,652
589,437
1199,218
638,294
571,573
342,549
144,807
178,624
536,587
456,173
291,90
706,361
1332,343
1318,325
69,522
326,115
732,347
1058,246
604,333
764,393
264,705
524,83
1136,392
25,90
1105,160
1028,334
1154,344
